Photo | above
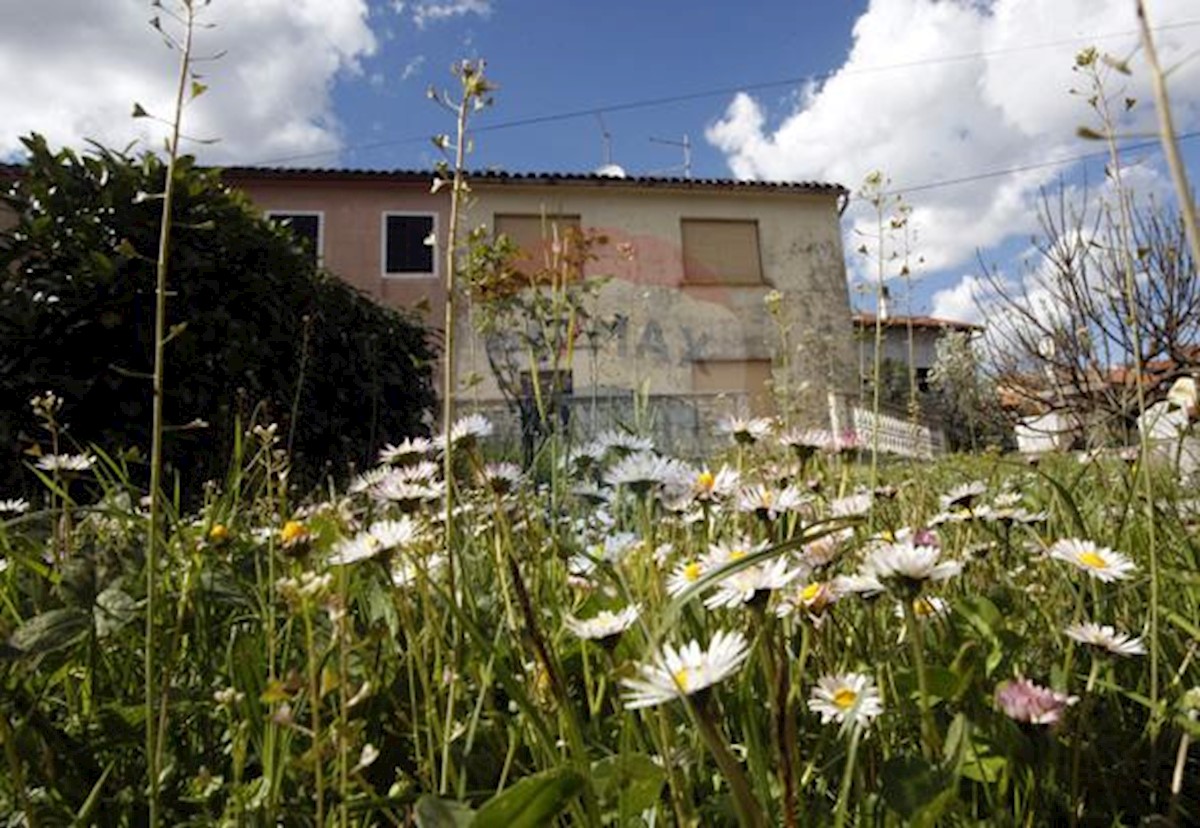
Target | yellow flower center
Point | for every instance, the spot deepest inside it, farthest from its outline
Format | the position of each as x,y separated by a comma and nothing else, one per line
1093,560
922,606
219,532
693,571
845,698
737,554
705,480
810,592
292,531
681,678
889,536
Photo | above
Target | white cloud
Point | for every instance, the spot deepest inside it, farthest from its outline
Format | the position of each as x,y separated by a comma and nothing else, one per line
73,71
412,67
933,91
432,11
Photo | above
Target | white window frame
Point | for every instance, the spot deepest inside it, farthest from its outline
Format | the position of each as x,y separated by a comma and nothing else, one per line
279,212
383,240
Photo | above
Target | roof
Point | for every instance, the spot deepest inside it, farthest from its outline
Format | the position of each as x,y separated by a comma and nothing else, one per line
865,319
502,178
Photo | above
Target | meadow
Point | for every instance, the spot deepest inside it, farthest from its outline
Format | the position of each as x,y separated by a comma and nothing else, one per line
613,637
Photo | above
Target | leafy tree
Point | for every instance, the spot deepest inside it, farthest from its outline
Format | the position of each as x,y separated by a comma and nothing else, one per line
255,322
964,399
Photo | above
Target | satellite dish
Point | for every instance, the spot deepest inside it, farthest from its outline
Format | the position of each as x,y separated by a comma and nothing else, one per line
611,171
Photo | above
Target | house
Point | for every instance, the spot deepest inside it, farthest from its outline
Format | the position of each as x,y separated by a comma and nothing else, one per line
690,264
906,341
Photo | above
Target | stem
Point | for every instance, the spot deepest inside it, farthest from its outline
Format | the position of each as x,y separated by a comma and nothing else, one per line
929,737
847,777
1077,742
748,810
156,440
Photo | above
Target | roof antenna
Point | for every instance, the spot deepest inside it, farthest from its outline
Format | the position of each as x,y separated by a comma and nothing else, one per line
686,144
608,169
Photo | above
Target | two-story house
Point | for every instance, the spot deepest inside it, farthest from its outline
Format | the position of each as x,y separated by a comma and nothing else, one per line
690,265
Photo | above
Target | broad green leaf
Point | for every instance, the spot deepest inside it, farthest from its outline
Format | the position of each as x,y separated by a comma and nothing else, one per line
634,777
532,802
51,630
434,812
113,611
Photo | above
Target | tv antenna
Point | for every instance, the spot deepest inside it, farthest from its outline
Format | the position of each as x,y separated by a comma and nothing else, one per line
606,137
686,144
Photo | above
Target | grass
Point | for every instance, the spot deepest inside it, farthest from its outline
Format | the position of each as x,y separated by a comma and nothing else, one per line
315,667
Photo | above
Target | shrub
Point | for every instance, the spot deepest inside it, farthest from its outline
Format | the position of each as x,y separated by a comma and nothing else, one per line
253,321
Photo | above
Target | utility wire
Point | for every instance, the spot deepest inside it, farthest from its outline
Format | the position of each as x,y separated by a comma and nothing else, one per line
665,100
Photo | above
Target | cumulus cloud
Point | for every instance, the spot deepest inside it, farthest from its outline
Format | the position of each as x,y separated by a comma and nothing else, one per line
432,11
935,91
73,71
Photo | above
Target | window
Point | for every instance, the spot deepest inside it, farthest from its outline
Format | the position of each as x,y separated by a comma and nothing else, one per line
533,233
306,227
406,247
721,252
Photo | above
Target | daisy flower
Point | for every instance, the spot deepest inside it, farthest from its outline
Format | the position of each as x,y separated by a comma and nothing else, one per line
860,583
767,503
465,431
1106,638
814,598
961,497
382,536
1023,701
688,670
502,477
684,575
754,583
806,442
745,430
1098,561
909,563
408,449
708,486
925,606
14,506
645,471
66,462
841,696
621,442
851,506
605,626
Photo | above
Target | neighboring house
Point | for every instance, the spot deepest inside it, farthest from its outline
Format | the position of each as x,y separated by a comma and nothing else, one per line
897,348
690,263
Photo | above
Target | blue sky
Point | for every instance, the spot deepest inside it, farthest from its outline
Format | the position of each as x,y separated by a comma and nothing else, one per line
925,91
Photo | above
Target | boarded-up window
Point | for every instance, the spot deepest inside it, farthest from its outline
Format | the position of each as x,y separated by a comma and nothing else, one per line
721,252
534,234
406,244
748,379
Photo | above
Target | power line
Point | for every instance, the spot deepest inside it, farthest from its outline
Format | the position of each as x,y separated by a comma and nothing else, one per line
1057,162
665,100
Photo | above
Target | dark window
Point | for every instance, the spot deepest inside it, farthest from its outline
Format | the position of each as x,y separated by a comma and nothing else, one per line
305,227
405,247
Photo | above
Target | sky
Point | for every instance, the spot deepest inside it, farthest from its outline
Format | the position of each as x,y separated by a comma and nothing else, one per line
964,106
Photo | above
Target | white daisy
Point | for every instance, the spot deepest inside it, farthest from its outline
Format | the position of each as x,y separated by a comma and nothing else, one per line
860,583
813,598
684,575
963,496
1098,561
841,696
754,583
604,626
745,430
678,673
768,503
851,506
645,471
707,486
368,480
1106,638
621,442
925,606
66,462
806,442
909,563
382,536
408,449
502,477
14,506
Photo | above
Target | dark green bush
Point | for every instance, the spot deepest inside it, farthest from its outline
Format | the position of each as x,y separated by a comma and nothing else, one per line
261,323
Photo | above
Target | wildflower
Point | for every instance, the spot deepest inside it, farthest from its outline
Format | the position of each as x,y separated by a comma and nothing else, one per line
925,606
465,431
852,506
688,670
745,430
768,504
606,626
910,564
861,583
66,462
841,696
1106,638
368,480
1098,561
753,584
814,598
365,759
619,442
804,443
825,549
14,506
293,532
963,496
684,575
645,471
408,449
846,442
1024,701
502,477
707,486
219,533
405,572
